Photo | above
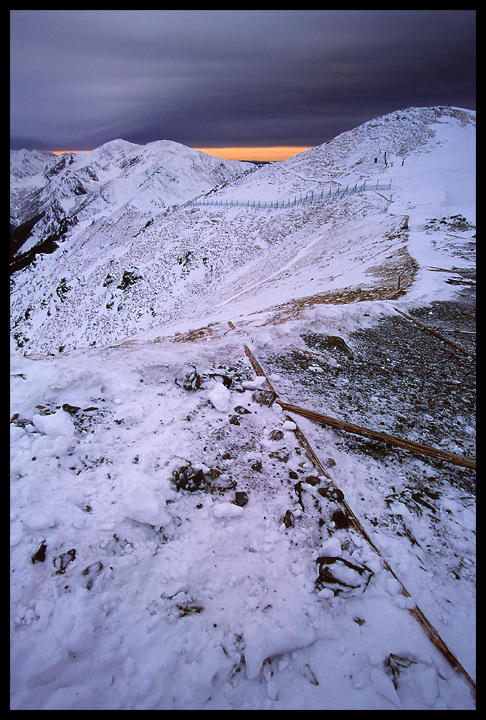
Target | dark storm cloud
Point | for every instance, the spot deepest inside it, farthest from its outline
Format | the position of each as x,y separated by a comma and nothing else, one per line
81,78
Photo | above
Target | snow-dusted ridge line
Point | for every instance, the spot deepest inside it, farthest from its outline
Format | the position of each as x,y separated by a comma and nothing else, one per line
309,197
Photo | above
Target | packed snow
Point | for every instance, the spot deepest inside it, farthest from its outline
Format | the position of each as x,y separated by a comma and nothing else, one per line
172,544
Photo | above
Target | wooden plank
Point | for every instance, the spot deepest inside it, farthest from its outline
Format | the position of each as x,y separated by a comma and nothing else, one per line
441,337
415,611
258,369
373,434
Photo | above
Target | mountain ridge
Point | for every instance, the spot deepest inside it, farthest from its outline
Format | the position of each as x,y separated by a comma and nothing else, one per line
192,263
47,190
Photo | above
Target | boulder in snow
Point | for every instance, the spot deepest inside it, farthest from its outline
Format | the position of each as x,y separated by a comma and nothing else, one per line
188,378
342,576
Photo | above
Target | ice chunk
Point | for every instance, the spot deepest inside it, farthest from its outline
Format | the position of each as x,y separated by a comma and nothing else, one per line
268,640
38,520
143,504
227,510
55,425
220,397
331,547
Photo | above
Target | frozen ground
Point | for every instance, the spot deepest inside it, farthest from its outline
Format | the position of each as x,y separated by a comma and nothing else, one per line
146,596
173,547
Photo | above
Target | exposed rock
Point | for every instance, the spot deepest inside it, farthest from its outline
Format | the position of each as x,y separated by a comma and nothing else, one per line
263,397
63,560
288,519
340,520
218,481
227,382
279,455
332,493
241,498
327,342
186,478
298,490
188,378
40,554
241,410
342,576
91,573
71,409
129,278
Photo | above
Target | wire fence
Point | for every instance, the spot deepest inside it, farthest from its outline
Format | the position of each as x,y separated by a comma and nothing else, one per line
313,196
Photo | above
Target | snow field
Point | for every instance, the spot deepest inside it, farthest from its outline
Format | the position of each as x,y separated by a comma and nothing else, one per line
177,599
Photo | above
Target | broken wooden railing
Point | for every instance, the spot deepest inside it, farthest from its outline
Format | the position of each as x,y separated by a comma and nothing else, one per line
409,445
413,609
437,334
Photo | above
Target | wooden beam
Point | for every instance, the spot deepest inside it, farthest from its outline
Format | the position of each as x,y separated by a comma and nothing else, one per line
258,369
414,610
434,332
373,434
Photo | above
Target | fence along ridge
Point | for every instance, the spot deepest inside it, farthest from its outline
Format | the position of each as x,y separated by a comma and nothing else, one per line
309,197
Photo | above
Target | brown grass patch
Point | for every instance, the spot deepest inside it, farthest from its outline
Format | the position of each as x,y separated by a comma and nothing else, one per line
401,265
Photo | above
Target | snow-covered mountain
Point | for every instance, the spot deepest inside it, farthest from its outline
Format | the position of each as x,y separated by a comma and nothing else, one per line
177,543
54,195
127,266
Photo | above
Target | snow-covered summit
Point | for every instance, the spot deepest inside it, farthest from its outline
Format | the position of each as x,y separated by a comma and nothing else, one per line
371,151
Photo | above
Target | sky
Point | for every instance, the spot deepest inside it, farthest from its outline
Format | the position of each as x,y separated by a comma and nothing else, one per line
246,79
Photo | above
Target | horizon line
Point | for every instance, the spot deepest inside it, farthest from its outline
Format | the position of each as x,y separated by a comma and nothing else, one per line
265,153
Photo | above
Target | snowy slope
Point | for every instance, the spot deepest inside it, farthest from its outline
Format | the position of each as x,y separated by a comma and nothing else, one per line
198,265
75,189
139,578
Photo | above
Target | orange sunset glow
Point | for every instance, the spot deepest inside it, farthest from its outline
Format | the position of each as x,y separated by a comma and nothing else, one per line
61,152
281,152
263,154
